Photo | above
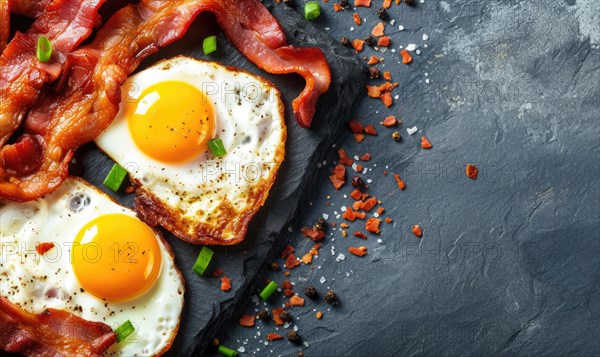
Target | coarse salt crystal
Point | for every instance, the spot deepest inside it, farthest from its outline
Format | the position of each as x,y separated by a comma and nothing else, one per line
392,22
412,130
400,27
325,216
241,349
411,47
369,181
322,280
340,257
343,209
425,37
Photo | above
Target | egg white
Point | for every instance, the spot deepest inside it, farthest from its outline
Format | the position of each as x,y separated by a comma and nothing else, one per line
37,282
248,120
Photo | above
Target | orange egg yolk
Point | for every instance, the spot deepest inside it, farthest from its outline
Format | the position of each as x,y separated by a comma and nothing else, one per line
116,257
171,121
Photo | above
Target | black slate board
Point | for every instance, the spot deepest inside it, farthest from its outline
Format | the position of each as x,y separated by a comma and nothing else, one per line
509,264
206,306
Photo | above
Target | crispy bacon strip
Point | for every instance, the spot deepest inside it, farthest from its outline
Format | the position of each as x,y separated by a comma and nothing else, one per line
29,8
66,23
96,72
51,333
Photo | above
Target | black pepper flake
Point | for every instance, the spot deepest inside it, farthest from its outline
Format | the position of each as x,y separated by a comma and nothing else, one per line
321,224
263,315
285,316
373,72
357,182
311,292
344,3
293,336
345,41
370,41
330,297
382,13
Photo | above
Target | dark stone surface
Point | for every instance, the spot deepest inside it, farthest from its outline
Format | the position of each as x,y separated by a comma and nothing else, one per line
510,263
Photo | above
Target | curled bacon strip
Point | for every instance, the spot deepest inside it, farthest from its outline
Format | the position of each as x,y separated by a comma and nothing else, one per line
96,72
66,23
29,8
51,333
4,24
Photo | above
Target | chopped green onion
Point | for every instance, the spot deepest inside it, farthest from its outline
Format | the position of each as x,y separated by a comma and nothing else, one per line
203,260
217,148
44,49
115,177
209,45
312,10
124,330
268,291
225,351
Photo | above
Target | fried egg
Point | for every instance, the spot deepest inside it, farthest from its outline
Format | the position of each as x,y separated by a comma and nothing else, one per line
168,115
79,251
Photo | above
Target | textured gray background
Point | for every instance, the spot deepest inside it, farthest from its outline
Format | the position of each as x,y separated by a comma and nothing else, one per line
510,263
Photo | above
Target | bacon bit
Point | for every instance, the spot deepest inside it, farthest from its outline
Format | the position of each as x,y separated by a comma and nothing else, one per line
225,284
338,7
291,262
358,251
373,60
312,233
366,157
390,121
380,210
344,159
365,3
296,301
42,248
274,336
356,194
358,168
338,179
307,258
344,225
374,91
388,220
276,318
369,204
360,235
288,292
319,315
425,144
247,320
386,87
406,57
378,30
370,130
344,233
355,126
217,272
416,229
364,196
287,251
471,171
386,98
384,42
129,189
398,2
358,45
357,19
349,215
372,225
387,4
286,273
356,205
359,137
315,250
400,182
360,215
286,284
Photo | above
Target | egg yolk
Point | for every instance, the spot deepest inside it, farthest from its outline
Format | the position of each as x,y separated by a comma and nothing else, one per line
116,257
171,121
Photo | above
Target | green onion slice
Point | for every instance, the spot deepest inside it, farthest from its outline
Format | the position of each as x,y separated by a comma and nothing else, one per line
268,290
115,177
225,351
312,10
217,148
203,260
209,45
44,49
124,330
